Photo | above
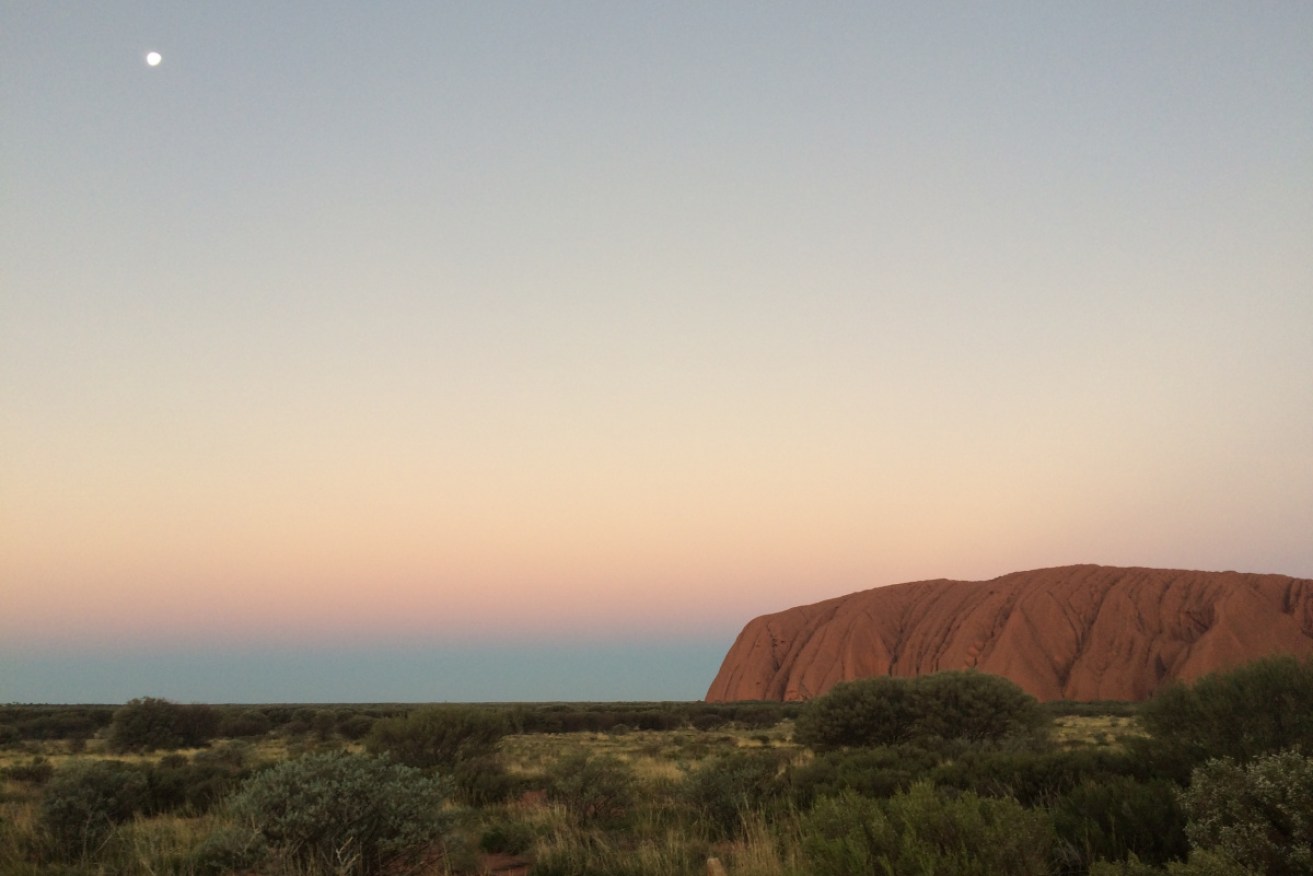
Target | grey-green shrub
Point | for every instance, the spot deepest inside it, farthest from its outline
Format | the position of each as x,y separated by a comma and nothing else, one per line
1260,813
345,814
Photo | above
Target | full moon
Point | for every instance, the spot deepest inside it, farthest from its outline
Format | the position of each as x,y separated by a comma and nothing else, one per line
154,58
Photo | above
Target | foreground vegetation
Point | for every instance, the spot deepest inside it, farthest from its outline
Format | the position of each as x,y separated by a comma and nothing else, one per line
953,774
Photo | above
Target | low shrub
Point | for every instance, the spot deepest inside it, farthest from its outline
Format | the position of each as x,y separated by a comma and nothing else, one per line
37,771
438,737
1260,813
594,788
925,833
82,803
246,723
725,787
483,781
1116,818
1199,864
227,850
196,785
1034,779
347,814
507,836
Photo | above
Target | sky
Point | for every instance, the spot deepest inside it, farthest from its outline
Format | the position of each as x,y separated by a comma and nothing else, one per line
428,351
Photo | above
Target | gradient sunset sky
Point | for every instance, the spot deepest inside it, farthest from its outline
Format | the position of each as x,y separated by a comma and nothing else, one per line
525,351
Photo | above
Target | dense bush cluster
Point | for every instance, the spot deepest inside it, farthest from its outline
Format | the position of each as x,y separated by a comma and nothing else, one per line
149,724
922,832
1256,709
29,723
1259,813
82,804
891,711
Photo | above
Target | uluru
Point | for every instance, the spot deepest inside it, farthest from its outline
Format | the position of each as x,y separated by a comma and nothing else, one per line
1077,633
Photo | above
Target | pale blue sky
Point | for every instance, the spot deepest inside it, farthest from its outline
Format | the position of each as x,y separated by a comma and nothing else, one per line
602,326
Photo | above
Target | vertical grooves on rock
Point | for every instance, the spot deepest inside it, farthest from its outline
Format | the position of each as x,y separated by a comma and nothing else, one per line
1068,632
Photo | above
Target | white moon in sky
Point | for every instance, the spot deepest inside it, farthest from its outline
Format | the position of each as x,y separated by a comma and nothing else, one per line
154,58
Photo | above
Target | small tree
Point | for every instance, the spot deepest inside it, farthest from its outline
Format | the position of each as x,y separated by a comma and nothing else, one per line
867,712
975,707
354,815
150,723
440,736
1259,708
883,710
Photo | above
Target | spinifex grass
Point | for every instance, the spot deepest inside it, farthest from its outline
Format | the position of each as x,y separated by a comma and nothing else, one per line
1077,731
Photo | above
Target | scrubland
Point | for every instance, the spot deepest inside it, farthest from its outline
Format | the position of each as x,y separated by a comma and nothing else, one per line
958,774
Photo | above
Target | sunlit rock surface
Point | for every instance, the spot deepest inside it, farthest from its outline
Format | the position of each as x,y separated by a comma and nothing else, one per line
1067,633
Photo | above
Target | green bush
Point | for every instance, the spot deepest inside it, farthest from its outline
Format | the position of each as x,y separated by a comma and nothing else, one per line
869,712
1260,813
1118,817
149,723
345,814
845,834
925,833
1199,864
725,787
83,802
483,781
883,710
1034,779
354,727
975,707
37,771
229,850
196,785
248,722
1256,709
594,788
871,772
510,837
439,736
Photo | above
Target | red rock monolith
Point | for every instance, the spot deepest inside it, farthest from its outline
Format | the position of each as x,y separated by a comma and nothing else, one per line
1069,633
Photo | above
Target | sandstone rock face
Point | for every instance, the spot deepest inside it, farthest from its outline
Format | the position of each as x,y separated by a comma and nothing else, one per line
1069,633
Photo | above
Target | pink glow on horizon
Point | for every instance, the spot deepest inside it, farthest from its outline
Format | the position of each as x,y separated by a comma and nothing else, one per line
465,341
